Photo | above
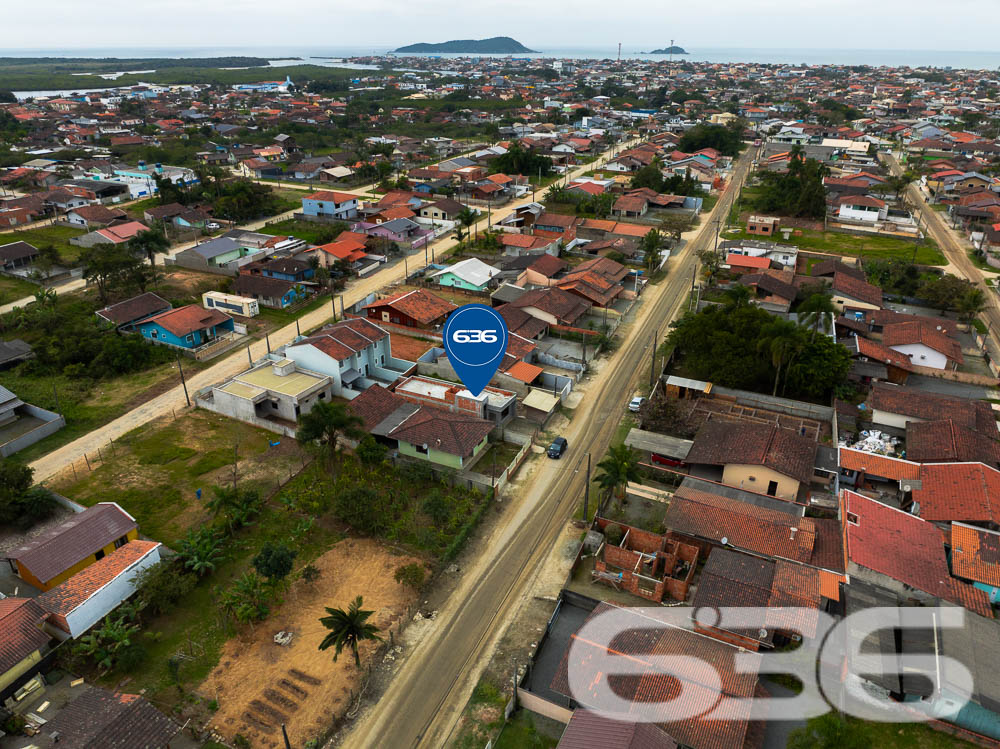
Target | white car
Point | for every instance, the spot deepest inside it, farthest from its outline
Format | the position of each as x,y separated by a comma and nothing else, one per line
636,403
212,226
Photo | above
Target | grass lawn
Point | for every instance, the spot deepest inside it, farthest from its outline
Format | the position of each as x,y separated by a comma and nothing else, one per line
57,236
154,471
88,405
708,202
282,317
503,452
137,209
12,289
309,231
521,733
884,248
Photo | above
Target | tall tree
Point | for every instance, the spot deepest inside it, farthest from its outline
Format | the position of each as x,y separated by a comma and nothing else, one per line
816,312
348,629
781,340
150,244
325,424
619,466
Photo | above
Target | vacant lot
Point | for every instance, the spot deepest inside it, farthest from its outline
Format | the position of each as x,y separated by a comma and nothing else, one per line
310,231
155,472
12,289
259,684
884,248
57,236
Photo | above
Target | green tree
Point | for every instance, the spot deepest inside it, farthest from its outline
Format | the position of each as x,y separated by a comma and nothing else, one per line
113,268
274,561
781,340
21,504
371,452
817,312
650,245
199,551
412,574
348,629
737,296
325,424
161,587
971,303
149,244
247,599
619,466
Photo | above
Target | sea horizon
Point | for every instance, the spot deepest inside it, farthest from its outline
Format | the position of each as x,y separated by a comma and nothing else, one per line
313,54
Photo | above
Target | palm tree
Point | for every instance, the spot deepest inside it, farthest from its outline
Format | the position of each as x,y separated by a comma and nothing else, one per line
466,217
150,243
200,551
650,245
617,468
45,297
781,339
326,423
348,628
816,312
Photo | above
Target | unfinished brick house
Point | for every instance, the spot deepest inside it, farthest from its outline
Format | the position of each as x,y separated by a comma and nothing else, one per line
646,564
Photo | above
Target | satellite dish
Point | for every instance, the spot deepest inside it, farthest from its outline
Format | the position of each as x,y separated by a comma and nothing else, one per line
762,633
725,540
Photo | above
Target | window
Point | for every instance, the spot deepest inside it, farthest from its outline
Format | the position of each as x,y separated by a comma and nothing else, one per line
322,396
189,338
422,449
99,555
153,333
121,542
852,518
274,404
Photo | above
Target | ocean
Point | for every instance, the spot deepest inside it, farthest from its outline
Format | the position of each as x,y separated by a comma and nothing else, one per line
969,59
333,56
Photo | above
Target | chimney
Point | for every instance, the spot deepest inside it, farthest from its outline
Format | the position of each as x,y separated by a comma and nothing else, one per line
792,536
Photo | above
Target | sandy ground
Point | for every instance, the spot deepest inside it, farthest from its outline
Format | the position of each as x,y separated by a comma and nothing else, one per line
259,684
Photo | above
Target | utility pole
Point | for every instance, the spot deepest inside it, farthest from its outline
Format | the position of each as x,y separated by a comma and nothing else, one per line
652,361
586,493
183,383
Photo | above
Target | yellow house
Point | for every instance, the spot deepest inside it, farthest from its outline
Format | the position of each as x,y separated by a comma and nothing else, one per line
759,458
854,293
22,641
73,545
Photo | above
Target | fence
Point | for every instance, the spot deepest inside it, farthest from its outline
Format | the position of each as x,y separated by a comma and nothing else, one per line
497,483
51,423
771,403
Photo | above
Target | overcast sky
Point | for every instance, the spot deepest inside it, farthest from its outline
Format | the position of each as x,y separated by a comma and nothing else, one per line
638,24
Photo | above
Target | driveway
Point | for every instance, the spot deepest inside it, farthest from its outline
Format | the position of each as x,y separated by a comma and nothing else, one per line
949,387
776,732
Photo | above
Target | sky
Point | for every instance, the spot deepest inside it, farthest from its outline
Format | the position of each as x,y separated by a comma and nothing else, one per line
638,24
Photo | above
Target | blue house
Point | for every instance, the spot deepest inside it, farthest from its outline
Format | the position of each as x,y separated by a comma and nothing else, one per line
287,269
338,206
186,327
271,292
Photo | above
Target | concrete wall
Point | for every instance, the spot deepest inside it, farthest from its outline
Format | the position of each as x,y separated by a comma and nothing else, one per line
884,418
53,423
20,668
105,600
757,478
922,355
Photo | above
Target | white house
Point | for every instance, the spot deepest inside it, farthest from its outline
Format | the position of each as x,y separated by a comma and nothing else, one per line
354,353
862,208
83,600
925,346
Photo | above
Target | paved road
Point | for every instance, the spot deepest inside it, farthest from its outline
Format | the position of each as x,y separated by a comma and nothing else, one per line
49,465
953,248
426,696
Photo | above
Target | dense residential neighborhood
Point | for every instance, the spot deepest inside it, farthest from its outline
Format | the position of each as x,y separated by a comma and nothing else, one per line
751,360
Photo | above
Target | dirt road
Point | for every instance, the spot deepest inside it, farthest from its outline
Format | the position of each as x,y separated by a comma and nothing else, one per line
426,696
232,364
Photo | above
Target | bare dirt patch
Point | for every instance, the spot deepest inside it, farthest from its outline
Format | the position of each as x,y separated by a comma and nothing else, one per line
260,684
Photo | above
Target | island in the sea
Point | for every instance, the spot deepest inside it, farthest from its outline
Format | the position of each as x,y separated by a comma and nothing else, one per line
675,50
498,45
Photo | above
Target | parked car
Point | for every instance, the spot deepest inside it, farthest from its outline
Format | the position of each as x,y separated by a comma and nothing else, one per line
212,226
663,460
558,447
636,403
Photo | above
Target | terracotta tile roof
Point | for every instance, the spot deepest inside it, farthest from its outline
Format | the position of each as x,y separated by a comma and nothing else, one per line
631,204
20,631
924,406
969,492
330,196
448,431
73,540
646,639
828,546
586,730
347,249
420,304
345,338
747,261
880,352
946,441
374,405
68,595
565,307
98,719
524,372
407,347
520,322
975,554
857,288
524,241
744,526
548,265
184,320
134,309
905,548
831,267
883,317
725,443
906,333
878,465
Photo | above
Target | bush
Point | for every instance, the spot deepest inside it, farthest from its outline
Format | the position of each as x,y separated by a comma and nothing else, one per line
613,534
371,452
162,586
411,574
310,573
132,657
437,507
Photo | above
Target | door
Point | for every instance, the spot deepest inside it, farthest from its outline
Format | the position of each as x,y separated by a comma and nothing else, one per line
772,488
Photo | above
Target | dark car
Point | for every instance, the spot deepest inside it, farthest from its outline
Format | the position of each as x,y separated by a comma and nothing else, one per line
558,447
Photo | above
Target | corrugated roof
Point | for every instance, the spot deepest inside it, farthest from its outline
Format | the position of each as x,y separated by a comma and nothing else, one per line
20,631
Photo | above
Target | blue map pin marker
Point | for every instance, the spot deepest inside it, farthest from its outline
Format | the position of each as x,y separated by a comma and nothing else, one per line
475,339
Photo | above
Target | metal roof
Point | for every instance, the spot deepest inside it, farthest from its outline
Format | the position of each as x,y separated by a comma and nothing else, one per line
664,444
